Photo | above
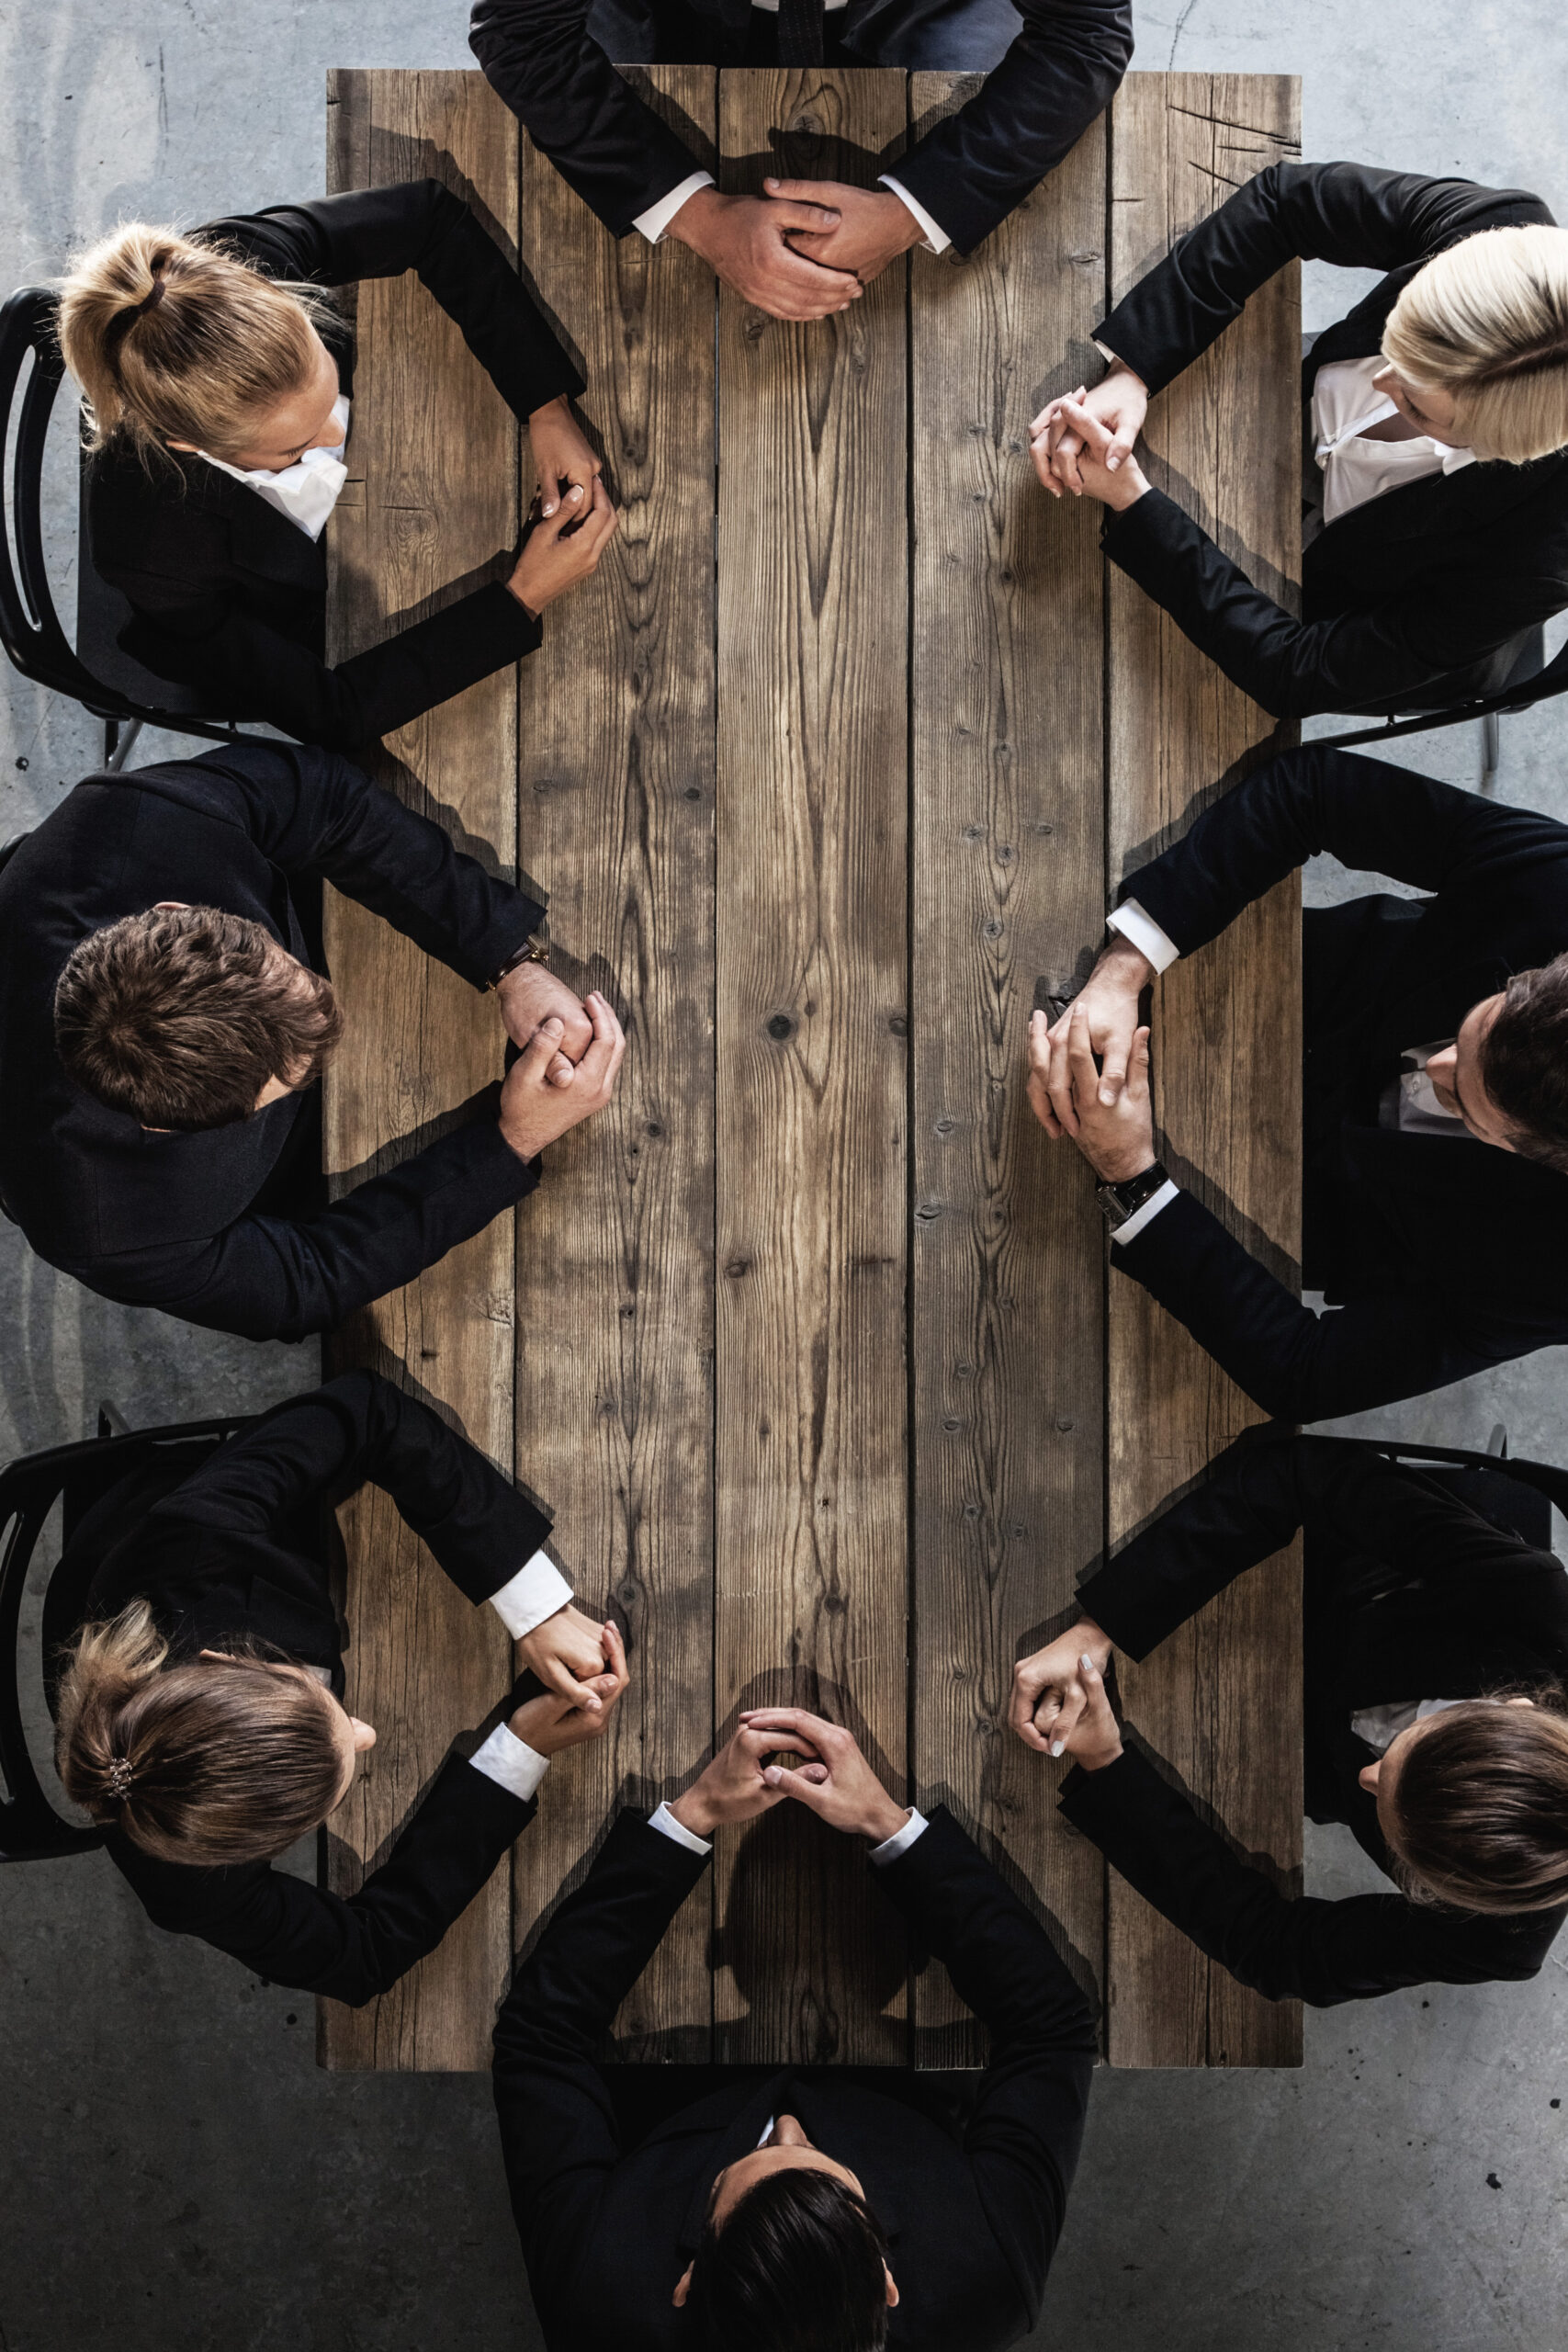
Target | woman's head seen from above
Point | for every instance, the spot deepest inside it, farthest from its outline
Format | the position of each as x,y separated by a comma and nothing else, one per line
1472,1803
1477,347
178,345
230,1756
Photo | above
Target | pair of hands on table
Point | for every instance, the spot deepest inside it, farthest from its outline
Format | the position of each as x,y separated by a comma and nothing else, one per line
1106,1109
584,1665
1060,1706
571,1050
804,250
1083,442
576,521
833,1778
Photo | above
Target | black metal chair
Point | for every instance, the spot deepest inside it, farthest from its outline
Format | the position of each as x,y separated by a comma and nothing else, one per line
76,1477
1531,679
95,673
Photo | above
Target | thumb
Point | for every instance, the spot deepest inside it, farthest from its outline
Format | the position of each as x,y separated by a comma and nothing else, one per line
1113,1069
541,1049
1121,446
795,1785
1138,1071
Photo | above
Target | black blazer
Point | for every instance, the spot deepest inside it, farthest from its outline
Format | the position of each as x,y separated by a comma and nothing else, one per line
1418,593
228,1552
1410,1594
1448,1254
228,594
968,172
226,1227
607,2230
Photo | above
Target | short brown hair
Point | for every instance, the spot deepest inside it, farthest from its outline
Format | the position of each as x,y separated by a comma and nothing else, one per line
1524,1062
180,1016
1479,1806
206,1760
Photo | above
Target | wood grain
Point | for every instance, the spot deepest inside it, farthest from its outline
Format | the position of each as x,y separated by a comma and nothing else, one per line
1220,1700
811,1433
436,449
1007,1279
614,1252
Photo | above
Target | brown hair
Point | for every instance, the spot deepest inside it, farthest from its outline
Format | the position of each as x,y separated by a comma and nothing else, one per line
207,1760
1479,1809
199,360
1523,1061
180,1016
1487,323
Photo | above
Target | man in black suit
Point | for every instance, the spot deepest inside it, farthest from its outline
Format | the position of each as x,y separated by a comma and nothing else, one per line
163,1008
804,2204
1419,1592
1435,1087
804,248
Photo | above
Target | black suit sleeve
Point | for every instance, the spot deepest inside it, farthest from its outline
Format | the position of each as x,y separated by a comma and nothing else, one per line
1061,71
1027,2127
1371,816
1348,214
557,2128
1286,1948
1304,1367
350,1948
541,60
360,1429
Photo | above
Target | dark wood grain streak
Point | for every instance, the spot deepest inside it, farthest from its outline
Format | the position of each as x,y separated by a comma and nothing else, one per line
1221,1700
614,1253
1007,878
436,449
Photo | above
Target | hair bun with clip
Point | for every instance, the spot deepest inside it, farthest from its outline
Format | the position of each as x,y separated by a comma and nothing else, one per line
120,1777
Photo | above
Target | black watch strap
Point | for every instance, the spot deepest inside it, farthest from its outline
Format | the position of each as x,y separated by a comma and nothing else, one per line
1122,1201
532,951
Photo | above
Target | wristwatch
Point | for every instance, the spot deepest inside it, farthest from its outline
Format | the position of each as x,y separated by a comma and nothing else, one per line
1122,1201
532,951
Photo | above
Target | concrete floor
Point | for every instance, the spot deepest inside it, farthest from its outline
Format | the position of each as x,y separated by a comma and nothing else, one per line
176,2174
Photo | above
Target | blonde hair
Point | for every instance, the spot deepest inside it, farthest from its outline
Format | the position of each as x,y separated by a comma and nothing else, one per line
1487,323
197,361
206,1760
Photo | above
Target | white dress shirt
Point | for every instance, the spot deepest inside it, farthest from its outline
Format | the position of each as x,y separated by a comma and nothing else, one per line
1344,405
1381,1726
305,493
888,1851
658,217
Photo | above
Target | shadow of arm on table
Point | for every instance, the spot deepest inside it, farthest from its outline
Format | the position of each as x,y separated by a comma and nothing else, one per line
1285,1883
1084,1971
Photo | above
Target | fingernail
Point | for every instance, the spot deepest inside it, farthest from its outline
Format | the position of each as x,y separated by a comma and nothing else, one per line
547,511
769,183
576,490
1111,463
1087,1663
1106,1096
1058,1747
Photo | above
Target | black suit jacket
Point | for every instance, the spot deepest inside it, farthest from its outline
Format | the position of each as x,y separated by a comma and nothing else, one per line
228,595
607,2230
1410,1594
1448,1254
209,1225
228,1552
968,172
1418,593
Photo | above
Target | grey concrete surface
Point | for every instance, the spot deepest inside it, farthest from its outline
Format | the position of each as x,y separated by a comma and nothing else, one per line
174,2172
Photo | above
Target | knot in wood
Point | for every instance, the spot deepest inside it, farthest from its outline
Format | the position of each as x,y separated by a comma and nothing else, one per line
781,1028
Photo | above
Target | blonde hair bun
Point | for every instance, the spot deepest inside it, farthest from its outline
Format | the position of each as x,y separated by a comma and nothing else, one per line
1487,323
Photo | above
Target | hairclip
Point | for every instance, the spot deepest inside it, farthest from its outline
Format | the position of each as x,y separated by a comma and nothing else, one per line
120,1776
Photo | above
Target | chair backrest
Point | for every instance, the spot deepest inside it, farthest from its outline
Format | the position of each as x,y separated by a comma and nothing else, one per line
76,1477
1535,679
1514,1495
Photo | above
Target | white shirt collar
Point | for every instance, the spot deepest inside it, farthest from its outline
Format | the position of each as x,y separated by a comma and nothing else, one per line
305,493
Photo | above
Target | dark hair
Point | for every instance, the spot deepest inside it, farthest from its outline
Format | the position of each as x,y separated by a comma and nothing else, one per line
796,2267
1479,1808
1524,1062
203,1760
180,1016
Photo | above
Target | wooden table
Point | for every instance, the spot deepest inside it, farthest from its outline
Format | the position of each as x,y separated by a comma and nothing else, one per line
810,1340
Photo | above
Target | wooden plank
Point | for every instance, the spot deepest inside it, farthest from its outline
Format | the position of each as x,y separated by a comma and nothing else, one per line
436,451
810,1470
614,1253
1007,880
1220,1701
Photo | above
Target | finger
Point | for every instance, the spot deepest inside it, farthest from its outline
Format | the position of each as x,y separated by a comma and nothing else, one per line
814,196
615,1650
1080,1056
1040,1066
755,1742
558,1677
808,1793
550,490
1064,1094
561,1072
815,1727
1121,447
600,1061
817,218
1059,1731
1032,1735
541,1051
1045,415
1138,1069
1020,1708
1113,1067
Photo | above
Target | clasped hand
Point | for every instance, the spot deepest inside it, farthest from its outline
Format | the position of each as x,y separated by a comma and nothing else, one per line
832,1779
1059,1702
585,1667
803,249
1083,441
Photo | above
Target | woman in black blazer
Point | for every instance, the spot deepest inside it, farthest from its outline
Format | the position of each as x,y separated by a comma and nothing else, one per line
1437,415
201,1716
217,380
1434,1654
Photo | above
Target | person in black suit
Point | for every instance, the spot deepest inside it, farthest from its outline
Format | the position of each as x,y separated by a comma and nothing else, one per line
1437,415
802,2205
805,247
1435,1103
219,390
1436,1646
165,1010
201,1714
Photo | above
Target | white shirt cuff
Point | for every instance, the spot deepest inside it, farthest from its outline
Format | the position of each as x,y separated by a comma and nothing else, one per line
536,1592
1146,935
1147,1214
901,1840
510,1762
667,1826
657,218
937,238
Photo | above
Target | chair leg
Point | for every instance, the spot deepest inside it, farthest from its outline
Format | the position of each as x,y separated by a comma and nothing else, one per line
114,753
1497,1443
111,1420
1491,750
